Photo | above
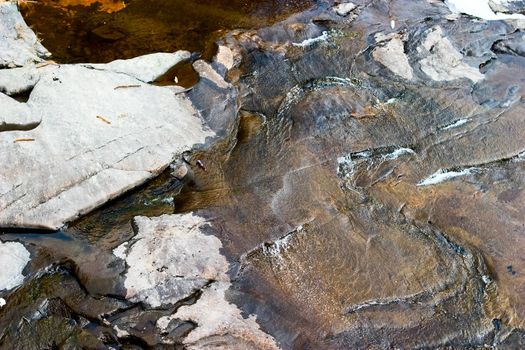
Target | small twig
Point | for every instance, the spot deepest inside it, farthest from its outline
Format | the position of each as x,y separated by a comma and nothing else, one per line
47,63
22,139
126,86
103,119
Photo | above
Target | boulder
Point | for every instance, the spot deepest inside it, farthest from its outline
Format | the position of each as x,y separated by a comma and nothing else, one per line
18,44
15,115
103,132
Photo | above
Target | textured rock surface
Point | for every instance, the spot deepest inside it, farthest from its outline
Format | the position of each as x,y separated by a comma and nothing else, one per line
507,6
170,259
343,207
102,133
18,44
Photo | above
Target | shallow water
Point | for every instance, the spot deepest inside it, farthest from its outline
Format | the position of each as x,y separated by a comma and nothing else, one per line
90,31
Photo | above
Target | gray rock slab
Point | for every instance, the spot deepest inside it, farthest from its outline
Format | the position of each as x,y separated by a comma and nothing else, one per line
102,133
18,80
15,115
18,44
147,68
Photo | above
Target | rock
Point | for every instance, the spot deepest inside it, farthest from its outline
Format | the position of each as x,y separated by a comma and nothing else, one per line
444,61
18,44
179,171
485,8
508,6
220,322
344,207
206,71
147,68
18,80
392,55
344,9
13,259
225,57
54,308
514,44
102,133
109,33
171,258
15,115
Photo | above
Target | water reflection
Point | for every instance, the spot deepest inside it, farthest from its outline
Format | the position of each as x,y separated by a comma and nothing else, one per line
101,31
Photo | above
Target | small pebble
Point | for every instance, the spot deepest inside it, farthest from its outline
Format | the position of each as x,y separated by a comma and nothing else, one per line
344,9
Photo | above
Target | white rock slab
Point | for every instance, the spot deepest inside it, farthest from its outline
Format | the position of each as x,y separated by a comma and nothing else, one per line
169,259
18,44
147,68
444,62
18,80
15,115
220,322
344,9
13,259
392,55
479,8
102,133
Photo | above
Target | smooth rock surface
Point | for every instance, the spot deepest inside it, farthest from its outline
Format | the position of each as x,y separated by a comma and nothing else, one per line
102,133
18,44
391,54
13,259
15,115
444,61
18,80
147,68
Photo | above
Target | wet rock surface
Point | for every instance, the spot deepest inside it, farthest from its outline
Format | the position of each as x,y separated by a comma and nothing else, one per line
365,192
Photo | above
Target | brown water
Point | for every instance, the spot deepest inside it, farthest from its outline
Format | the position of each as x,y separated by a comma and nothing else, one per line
101,31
